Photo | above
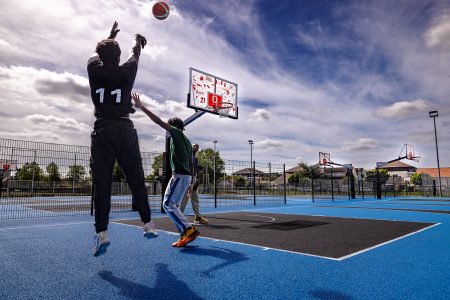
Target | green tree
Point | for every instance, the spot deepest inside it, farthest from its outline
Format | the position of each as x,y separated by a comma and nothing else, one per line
416,178
117,172
53,172
206,160
76,173
239,181
27,170
309,171
371,175
294,178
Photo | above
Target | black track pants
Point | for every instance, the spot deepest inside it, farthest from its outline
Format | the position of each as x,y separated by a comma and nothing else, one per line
107,145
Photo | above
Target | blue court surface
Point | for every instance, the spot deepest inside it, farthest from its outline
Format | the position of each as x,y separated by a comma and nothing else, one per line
51,258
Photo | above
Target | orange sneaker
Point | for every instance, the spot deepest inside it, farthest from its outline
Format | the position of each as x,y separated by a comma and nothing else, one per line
175,244
190,234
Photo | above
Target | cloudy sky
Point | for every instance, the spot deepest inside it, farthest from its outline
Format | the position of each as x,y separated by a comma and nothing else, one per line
353,78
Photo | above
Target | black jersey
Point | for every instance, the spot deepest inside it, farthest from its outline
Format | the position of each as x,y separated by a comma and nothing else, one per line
111,87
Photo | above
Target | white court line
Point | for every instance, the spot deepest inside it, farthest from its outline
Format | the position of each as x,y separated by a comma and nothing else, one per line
388,242
49,225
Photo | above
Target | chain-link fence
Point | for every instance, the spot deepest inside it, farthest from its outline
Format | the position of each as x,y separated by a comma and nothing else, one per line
44,180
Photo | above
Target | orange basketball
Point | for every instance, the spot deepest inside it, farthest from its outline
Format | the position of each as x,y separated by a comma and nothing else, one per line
160,10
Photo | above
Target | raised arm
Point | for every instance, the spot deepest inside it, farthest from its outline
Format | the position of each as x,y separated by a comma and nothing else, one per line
140,42
112,35
152,116
114,31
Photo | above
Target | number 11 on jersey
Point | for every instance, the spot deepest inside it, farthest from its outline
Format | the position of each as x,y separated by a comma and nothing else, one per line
117,92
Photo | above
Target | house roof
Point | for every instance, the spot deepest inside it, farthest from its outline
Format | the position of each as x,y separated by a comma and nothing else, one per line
248,171
398,165
433,172
293,170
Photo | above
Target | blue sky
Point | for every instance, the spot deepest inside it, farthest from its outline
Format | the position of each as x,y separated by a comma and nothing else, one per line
353,78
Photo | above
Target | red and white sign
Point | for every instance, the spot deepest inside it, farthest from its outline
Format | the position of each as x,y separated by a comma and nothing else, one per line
214,100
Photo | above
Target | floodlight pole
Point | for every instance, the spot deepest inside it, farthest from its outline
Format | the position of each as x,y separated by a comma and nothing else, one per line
214,178
251,161
433,114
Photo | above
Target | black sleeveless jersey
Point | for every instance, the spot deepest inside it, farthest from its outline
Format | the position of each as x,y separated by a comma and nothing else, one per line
111,87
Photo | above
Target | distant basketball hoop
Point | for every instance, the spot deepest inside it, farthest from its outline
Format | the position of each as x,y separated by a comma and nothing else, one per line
324,158
410,155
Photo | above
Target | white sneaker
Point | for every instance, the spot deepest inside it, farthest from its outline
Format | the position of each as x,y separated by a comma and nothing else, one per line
149,230
101,242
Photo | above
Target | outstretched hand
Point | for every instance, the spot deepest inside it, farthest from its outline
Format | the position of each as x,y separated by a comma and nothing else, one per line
136,99
114,31
141,40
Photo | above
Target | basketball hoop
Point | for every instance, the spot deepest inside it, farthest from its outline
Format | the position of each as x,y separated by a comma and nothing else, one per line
324,158
223,109
410,155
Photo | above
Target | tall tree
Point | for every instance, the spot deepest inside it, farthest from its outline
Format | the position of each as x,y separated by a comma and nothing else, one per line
27,170
309,171
76,173
371,175
416,178
206,160
53,172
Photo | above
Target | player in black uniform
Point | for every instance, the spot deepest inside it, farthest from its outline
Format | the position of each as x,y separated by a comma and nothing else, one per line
114,136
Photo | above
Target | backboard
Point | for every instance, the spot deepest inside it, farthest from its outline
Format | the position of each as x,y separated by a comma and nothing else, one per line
207,93
324,158
7,166
409,152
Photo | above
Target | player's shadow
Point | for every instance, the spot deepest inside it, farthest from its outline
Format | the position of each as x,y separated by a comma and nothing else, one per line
228,256
167,286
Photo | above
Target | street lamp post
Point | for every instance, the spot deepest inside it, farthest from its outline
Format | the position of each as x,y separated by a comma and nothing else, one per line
433,114
251,162
214,176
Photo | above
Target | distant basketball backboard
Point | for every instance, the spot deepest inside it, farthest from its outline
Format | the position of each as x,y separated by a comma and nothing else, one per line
324,158
408,153
212,94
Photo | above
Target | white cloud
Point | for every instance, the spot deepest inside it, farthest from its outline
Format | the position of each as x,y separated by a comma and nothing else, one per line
438,36
403,109
44,47
362,144
260,115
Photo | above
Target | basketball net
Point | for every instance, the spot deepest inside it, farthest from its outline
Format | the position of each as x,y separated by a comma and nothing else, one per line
324,161
224,109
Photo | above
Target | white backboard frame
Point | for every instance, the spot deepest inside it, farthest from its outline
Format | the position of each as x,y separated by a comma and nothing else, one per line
203,85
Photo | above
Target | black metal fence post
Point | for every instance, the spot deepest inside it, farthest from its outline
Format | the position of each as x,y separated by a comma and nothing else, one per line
332,185
378,184
284,182
254,183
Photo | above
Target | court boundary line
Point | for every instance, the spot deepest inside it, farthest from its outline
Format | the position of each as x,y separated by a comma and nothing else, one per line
46,225
388,242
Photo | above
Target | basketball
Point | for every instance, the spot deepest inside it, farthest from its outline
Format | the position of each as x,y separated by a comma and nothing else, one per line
160,10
